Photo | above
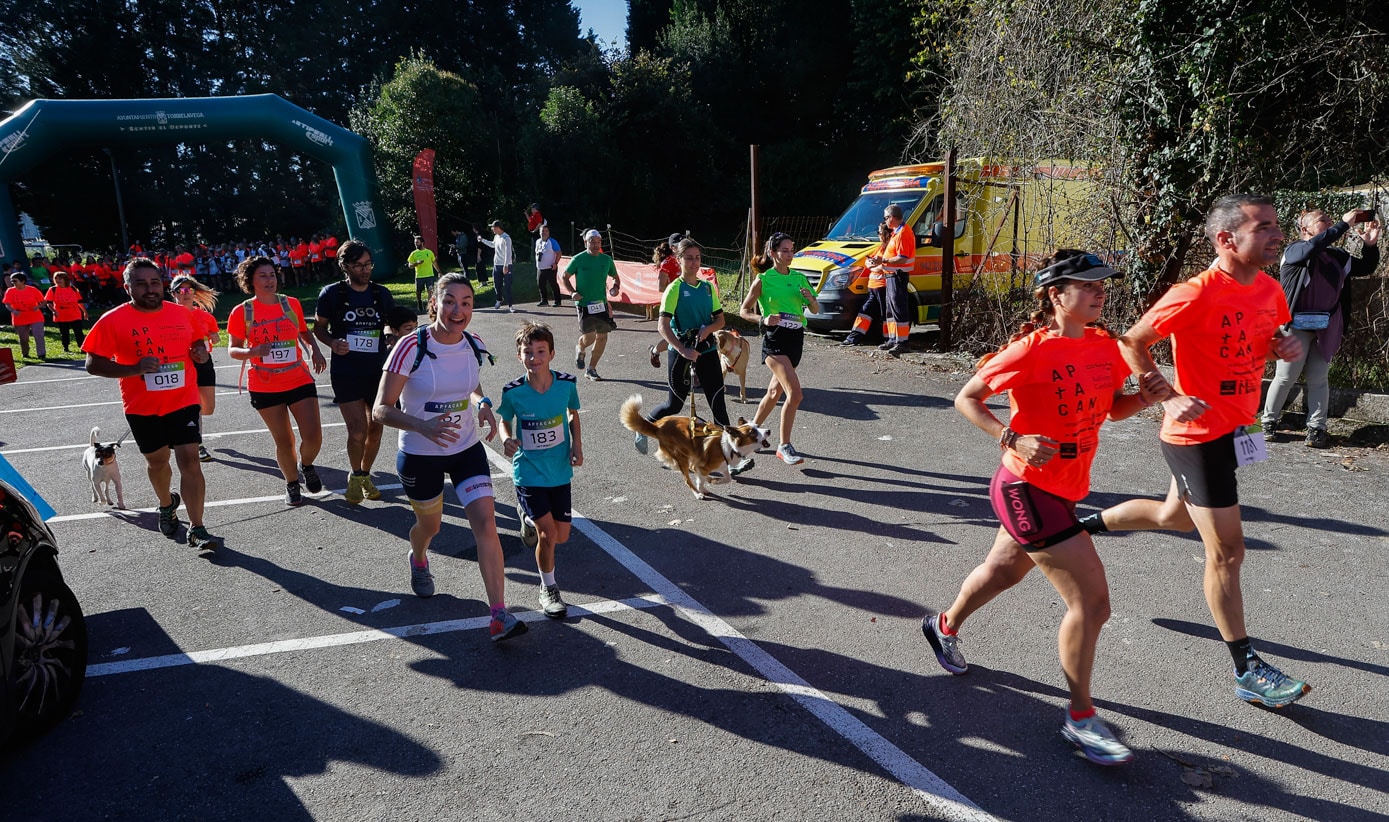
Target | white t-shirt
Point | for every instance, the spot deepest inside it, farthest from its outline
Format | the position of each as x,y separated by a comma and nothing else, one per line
443,383
546,253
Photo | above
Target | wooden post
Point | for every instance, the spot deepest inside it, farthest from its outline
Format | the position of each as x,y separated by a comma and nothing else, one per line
947,253
752,220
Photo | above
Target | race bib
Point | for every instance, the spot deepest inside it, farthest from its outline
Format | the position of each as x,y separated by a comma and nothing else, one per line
537,435
788,320
282,352
368,342
596,308
169,377
1250,447
453,410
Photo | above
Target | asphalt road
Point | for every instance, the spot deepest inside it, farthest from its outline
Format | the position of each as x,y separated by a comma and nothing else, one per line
753,656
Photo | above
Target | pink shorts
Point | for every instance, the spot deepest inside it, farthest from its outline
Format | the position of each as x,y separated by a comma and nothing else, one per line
1037,519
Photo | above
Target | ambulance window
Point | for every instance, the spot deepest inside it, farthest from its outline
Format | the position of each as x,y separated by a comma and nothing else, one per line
932,214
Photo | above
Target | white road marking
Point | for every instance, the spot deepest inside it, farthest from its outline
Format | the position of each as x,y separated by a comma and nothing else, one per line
94,377
116,402
212,436
122,513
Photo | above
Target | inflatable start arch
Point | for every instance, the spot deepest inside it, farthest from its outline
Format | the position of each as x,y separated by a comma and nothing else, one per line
44,128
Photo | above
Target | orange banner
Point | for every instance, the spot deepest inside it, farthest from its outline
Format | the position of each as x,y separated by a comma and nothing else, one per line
423,184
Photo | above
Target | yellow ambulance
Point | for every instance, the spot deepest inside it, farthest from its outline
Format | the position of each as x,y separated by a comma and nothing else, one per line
1007,218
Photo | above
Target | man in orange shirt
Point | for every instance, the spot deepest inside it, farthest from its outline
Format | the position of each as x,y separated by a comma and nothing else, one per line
890,271
1224,324
150,345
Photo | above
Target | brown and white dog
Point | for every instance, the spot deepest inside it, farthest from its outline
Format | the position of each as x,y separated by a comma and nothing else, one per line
99,461
733,353
696,454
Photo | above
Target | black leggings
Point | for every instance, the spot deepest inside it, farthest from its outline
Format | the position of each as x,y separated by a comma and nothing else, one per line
547,283
68,328
710,373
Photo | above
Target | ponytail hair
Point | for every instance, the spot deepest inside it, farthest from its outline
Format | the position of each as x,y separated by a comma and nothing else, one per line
1045,312
662,251
763,262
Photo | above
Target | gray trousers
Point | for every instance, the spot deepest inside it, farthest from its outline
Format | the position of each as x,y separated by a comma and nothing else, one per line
1313,368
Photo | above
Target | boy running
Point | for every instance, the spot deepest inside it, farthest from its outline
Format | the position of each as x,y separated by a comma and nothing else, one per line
543,456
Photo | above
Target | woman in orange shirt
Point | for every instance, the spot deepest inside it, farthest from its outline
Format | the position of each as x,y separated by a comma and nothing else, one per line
69,309
24,302
1064,377
266,332
200,300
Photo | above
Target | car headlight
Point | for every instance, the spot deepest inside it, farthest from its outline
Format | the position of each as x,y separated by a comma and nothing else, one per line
838,277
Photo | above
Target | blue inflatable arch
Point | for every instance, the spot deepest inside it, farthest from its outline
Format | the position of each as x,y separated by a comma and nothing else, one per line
44,128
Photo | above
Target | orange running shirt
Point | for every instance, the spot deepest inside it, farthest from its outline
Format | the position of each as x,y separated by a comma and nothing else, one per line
125,335
67,304
284,368
1061,388
24,302
207,327
1221,335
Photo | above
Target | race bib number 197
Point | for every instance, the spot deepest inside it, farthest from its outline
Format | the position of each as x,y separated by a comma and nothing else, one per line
282,352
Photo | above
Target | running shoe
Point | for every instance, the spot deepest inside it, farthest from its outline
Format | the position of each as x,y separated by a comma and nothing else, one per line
369,488
168,516
506,627
1096,741
199,538
497,307
1266,685
312,483
203,456
741,468
355,491
946,646
579,360
851,340
292,495
655,357
592,374
788,455
551,603
511,309
542,304
1318,438
886,345
898,350
529,535
421,581
643,444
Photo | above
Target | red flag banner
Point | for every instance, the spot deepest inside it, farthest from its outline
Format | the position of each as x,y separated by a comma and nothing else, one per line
424,199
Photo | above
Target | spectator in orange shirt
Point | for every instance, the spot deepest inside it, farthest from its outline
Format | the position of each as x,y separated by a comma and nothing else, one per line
69,309
25,303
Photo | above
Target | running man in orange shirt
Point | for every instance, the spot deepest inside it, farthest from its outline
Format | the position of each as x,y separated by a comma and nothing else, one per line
151,346
1224,324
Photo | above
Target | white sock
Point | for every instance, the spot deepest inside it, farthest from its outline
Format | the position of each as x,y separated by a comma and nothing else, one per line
547,577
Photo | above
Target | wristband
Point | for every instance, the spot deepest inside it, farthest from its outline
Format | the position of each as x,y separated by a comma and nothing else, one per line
487,401
1007,438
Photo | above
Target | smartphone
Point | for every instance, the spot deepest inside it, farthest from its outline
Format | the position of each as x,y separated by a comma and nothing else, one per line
1368,215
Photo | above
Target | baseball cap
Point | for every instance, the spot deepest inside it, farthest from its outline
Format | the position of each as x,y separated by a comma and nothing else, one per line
178,281
675,239
590,233
1086,268
496,224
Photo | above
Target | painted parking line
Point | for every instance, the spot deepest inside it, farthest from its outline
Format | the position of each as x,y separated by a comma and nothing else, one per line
212,436
355,638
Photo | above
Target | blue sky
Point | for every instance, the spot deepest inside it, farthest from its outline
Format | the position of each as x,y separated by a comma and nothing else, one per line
607,18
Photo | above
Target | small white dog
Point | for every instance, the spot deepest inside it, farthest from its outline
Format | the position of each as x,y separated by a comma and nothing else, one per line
100,463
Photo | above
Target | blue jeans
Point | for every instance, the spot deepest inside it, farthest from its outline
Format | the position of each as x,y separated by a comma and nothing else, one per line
501,280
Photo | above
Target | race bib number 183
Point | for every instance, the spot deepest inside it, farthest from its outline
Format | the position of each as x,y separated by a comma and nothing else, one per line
537,435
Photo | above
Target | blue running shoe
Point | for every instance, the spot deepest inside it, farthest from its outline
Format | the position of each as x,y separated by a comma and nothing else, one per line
1265,685
947,647
643,444
1096,741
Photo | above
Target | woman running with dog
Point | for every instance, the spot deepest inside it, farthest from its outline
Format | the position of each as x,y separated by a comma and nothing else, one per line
777,302
266,333
690,314
434,375
200,300
1064,376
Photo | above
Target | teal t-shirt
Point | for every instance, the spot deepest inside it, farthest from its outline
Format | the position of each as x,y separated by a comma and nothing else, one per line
781,293
690,307
541,423
591,273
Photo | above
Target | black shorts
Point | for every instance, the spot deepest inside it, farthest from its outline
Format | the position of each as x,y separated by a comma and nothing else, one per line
260,400
155,431
538,501
1205,472
422,475
207,373
783,342
600,323
357,384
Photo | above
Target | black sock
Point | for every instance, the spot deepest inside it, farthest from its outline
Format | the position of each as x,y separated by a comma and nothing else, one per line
1241,651
1094,523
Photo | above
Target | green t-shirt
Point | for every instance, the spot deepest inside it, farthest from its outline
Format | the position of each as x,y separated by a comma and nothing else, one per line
690,307
425,258
591,273
781,293
541,423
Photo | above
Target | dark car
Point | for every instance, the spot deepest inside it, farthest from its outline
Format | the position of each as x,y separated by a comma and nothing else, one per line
43,635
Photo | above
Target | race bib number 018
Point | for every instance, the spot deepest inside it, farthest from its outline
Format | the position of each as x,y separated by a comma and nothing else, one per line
538,435
169,377
368,342
282,352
